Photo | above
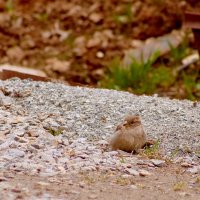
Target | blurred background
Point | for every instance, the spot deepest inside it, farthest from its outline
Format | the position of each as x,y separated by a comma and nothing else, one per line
137,46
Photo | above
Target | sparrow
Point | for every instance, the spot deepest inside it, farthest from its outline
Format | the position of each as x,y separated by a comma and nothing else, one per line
129,136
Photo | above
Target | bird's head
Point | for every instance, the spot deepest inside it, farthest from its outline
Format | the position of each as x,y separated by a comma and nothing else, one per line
132,121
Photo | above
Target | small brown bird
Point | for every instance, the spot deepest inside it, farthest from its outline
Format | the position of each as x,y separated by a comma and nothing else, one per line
129,136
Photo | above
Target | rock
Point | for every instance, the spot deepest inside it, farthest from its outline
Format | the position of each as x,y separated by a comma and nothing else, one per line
45,157
88,168
20,139
2,179
103,142
16,190
19,133
133,187
5,100
143,172
5,145
186,164
132,172
83,156
158,163
32,133
100,54
113,153
41,183
36,146
126,176
92,196
194,170
82,184
74,192
184,194
15,153
96,17
16,120
153,45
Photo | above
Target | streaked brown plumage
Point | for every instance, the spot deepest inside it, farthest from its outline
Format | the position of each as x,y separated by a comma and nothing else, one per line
129,136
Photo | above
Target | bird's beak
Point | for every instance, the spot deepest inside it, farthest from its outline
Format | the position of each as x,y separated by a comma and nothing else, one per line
125,123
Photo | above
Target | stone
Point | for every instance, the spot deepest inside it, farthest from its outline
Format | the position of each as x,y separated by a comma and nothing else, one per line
194,170
5,100
92,196
36,146
41,183
132,172
82,184
19,133
158,163
5,145
2,179
20,139
186,164
144,172
133,187
15,153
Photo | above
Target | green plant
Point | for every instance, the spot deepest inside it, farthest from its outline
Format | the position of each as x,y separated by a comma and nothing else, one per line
197,179
9,6
163,76
42,17
179,186
120,180
174,154
139,77
122,160
180,52
190,84
152,151
197,153
55,132
125,16
69,41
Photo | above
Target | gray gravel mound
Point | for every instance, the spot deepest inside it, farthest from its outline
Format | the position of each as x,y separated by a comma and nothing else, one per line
94,113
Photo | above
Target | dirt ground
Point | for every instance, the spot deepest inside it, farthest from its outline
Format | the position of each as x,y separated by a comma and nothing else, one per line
170,182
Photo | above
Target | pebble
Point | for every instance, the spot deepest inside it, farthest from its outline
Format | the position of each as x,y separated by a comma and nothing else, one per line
92,196
82,184
41,183
20,139
3,179
15,153
133,172
5,100
143,172
158,163
186,164
133,187
194,170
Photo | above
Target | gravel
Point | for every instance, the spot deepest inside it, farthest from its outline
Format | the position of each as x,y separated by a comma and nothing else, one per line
30,112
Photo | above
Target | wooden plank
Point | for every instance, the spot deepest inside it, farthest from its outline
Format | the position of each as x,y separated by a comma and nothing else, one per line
7,74
192,20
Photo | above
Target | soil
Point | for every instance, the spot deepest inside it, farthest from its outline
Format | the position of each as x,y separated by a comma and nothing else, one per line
75,40
170,182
